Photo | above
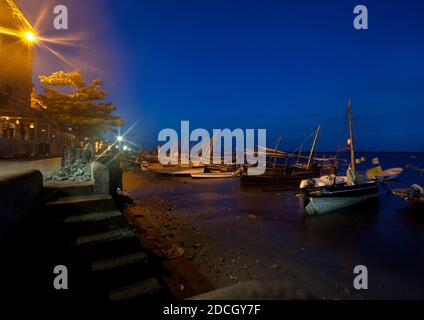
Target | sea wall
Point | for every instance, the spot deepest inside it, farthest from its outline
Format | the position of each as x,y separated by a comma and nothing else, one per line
19,193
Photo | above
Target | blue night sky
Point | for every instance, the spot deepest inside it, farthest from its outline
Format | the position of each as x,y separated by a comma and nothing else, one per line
286,66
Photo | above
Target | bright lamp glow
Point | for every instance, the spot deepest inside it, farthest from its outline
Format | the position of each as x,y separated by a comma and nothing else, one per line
29,36
119,138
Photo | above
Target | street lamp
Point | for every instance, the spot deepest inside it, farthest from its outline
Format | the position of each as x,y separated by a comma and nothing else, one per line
119,139
30,36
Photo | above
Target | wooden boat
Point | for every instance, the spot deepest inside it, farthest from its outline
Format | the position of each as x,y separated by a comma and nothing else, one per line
286,173
338,196
385,175
175,170
180,171
342,192
414,195
281,174
216,175
390,174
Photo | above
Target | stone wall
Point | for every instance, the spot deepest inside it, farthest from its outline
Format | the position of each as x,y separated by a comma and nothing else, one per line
19,193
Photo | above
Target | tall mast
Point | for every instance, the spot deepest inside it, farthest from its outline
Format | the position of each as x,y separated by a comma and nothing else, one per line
308,166
275,151
352,150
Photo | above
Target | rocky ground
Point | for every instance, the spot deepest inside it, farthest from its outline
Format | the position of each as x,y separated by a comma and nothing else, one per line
78,171
211,234
201,243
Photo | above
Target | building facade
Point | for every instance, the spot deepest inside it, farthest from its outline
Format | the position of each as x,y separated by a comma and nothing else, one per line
25,130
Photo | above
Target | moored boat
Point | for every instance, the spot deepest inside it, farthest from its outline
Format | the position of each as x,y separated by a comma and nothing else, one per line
390,174
338,196
281,174
216,175
289,172
414,195
330,193
176,170
386,175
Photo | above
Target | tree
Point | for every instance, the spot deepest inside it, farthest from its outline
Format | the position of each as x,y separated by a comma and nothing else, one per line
78,105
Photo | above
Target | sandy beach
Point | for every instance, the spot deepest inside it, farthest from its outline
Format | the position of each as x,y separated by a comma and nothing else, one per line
216,233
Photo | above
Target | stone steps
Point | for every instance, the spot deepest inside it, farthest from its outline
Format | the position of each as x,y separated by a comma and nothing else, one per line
122,270
102,238
73,205
139,258
102,251
140,290
93,222
55,189
92,217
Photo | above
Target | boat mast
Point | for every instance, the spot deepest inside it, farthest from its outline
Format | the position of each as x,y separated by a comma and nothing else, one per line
352,150
275,151
308,166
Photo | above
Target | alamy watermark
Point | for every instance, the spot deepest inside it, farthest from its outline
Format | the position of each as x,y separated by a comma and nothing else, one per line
360,282
361,20
219,147
60,282
60,21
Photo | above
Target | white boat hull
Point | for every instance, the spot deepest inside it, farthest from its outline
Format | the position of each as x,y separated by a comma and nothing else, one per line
323,205
214,175
180,172
389,174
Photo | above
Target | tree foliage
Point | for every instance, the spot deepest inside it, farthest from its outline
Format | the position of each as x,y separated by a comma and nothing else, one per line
82,107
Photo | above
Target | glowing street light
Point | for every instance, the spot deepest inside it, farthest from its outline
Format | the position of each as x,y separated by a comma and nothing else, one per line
119,138
30,36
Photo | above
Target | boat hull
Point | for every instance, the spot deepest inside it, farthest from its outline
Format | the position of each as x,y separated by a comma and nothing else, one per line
179,172
338,197
390,174
281,178
213,175
324,205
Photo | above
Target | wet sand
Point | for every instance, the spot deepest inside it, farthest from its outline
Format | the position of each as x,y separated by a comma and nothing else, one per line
216,233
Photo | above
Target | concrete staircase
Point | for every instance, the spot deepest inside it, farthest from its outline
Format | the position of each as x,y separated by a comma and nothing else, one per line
93,240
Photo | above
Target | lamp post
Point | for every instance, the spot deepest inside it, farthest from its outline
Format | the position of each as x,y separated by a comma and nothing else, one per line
30,38
119,139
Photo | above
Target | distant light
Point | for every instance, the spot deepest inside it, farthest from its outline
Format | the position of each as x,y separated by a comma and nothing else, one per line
29,36
125,148
119,138
17,121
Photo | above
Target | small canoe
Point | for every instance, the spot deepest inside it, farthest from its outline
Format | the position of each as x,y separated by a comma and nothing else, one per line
386,175
179,171
390,174
215,175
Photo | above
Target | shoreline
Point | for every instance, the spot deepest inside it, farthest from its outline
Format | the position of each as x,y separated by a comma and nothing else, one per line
207,241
